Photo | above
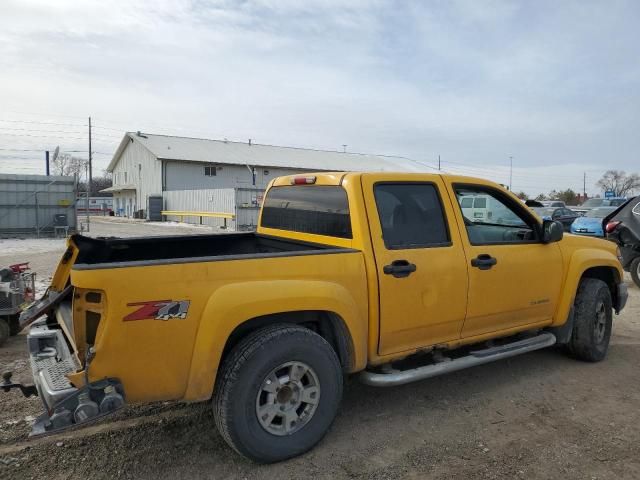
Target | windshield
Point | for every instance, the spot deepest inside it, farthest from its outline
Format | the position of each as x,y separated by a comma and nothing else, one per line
616,202
599,212
593,202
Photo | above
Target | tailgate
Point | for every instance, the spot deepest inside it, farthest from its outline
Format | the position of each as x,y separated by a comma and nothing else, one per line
58,293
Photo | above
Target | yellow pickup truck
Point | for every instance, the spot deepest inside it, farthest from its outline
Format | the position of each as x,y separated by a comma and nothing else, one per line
379,274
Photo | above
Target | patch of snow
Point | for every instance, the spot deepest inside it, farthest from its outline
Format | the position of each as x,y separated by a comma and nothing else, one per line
17,246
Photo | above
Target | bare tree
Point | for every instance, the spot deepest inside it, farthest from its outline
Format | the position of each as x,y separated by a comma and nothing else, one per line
568,196
619,182
97,185
66,164
522,195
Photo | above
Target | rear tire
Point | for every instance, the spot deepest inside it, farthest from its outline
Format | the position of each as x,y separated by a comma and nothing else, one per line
634,269
277,393
5,331
593,320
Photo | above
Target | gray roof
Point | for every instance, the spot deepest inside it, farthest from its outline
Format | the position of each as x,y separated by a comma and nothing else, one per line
238,153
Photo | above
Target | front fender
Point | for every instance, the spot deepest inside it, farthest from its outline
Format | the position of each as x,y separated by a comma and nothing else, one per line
580,261
234,304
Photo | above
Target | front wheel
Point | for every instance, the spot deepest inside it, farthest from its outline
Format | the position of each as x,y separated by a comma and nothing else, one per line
277,393
634,269
592,322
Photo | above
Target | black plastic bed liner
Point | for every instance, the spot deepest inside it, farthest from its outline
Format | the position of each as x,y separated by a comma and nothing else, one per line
111,250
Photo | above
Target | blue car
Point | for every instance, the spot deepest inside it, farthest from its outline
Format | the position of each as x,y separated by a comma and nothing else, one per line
591,223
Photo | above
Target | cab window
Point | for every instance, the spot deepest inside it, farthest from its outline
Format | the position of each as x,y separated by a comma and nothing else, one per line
318,209
501,222
411,215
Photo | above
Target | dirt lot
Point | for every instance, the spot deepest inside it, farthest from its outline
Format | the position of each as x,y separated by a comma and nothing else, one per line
540,415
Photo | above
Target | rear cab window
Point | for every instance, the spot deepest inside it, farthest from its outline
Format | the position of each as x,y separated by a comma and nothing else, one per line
318,210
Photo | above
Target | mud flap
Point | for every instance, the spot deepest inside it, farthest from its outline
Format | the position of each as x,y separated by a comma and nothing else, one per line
563,332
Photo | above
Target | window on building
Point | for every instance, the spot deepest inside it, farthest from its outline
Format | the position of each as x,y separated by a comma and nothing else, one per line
125,177
210,171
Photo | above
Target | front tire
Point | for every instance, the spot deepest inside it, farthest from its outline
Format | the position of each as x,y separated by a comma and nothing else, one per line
593,321
277,393
634,269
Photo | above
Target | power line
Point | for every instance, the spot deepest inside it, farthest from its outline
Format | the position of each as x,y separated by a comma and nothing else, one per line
35,122
21,150
40,131
40,136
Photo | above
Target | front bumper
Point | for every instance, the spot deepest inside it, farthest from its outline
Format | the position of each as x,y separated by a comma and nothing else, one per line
622,294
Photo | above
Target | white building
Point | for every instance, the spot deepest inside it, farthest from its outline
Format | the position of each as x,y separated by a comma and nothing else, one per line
217,176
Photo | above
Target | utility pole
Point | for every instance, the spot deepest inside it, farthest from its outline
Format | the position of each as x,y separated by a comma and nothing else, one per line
344,148
90,177
438,162
584,185
511,173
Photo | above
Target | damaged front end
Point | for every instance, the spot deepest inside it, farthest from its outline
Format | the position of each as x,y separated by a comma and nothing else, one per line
64,324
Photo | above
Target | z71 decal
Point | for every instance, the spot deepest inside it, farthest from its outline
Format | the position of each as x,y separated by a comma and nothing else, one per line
158,310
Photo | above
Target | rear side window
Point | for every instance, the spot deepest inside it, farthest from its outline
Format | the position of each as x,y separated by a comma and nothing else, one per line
411,215
318,209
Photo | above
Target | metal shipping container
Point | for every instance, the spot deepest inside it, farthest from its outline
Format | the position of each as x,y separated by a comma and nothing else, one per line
33,205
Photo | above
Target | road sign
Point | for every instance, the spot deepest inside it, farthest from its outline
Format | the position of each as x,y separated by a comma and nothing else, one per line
609,194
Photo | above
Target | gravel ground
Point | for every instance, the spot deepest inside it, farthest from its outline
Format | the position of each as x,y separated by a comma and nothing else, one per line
540,415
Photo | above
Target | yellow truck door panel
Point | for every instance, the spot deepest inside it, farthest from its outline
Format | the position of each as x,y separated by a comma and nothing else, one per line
422,274
514,278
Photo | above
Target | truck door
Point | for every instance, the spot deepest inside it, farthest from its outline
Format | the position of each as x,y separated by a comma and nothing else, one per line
514,278
421,268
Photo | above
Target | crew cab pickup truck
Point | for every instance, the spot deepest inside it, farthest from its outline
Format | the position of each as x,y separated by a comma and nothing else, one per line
378,274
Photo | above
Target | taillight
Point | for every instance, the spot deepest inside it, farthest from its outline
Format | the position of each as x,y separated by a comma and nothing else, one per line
303,180
611,226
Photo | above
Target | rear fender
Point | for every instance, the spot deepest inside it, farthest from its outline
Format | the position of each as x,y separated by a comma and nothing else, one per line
234,304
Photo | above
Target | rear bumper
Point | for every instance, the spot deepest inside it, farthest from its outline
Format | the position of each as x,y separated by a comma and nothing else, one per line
66,406
622,294
51,361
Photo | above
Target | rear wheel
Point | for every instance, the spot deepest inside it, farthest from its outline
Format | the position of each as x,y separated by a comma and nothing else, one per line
592,322
278,392
5,331
634,269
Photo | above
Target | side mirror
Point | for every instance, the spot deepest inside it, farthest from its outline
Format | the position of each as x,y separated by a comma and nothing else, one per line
552,231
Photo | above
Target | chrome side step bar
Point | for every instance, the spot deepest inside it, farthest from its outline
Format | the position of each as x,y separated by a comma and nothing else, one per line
478,357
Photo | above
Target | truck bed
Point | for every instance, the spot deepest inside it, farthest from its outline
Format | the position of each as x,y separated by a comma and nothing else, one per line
112,252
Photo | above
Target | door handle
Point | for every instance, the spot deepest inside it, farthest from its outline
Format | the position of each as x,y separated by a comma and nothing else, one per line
483,261
399,268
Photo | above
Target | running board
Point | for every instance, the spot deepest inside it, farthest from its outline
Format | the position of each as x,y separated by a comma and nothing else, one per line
478,357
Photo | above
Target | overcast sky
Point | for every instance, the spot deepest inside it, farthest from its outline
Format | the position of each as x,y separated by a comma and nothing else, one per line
553,84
